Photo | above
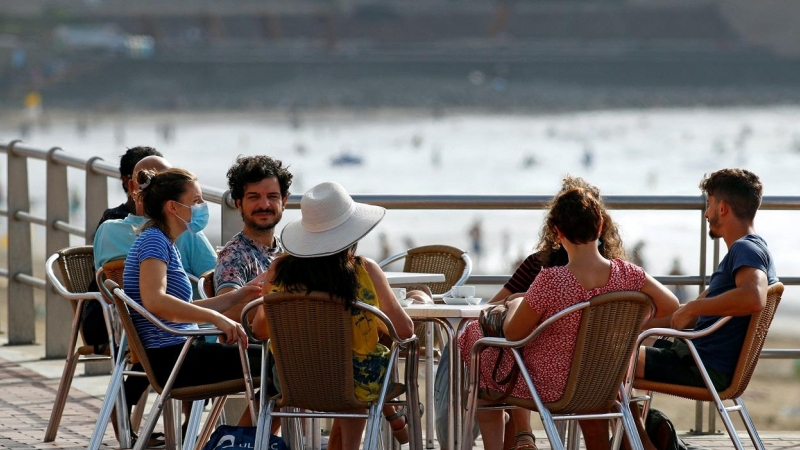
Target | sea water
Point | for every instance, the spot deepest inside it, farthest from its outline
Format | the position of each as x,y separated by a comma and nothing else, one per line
623,152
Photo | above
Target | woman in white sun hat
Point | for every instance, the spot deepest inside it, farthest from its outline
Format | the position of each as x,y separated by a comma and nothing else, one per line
321,256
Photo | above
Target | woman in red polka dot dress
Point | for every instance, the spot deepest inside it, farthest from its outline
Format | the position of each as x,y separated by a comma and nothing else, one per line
576,218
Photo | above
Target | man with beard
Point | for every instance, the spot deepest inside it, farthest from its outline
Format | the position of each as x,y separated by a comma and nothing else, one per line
259,186
738,288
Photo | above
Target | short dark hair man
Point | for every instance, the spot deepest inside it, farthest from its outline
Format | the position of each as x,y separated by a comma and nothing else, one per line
126,164
738,288
259,186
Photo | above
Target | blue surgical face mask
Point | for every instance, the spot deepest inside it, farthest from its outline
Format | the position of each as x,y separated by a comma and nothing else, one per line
199,217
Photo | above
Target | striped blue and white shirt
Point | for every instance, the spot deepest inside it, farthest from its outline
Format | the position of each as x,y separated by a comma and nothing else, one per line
153,243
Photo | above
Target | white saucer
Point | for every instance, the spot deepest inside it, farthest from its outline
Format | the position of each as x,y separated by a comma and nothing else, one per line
474,300
458,300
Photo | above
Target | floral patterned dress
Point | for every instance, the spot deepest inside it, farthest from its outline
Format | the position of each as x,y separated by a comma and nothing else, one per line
549,356
370,358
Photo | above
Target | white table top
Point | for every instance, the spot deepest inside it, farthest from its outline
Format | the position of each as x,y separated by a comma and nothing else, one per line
412,278
419,311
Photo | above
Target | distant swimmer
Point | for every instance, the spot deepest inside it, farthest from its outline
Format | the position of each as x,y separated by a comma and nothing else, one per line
588,156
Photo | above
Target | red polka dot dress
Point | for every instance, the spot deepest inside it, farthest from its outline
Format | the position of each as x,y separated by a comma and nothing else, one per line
548,357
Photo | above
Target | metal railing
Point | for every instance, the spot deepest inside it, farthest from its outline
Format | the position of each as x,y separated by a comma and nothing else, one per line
21,281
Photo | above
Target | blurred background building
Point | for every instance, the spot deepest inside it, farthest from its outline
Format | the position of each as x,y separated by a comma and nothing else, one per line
178,54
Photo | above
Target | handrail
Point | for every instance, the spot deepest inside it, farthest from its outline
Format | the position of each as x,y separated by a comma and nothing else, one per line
21,317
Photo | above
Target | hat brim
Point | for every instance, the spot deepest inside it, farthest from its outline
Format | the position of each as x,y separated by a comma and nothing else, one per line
297,241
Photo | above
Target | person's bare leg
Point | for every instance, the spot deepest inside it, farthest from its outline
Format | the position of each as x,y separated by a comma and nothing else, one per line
352,431
490,421
595,434
509,432
520,422
639,421
335,438
397,422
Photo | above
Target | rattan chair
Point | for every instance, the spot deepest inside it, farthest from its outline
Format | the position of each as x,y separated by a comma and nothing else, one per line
76,268
205,284
311,342
455,264
166,392
748,358
607,337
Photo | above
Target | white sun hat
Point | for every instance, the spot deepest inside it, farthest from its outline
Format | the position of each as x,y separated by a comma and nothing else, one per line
330,222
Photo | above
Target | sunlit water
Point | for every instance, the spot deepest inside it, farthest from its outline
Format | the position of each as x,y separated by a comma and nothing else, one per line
641,152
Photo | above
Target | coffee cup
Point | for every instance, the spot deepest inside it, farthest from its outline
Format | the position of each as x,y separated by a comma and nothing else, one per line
463,291
399,294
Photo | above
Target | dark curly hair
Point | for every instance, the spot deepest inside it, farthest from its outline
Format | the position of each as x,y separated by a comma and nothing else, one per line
741,190
252,169
157,189
610,241
132,156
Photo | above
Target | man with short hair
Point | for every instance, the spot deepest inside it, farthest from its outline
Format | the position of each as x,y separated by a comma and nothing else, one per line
114,238
259,186
738,288
127,162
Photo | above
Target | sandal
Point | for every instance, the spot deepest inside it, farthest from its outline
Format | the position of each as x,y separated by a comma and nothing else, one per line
525,440
400,431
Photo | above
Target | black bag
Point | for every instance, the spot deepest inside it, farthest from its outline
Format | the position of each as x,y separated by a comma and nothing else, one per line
661,431
491,321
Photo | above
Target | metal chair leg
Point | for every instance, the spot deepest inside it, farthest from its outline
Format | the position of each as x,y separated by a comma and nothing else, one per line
212,421
748,423
112,399
150,424
193,425
65,383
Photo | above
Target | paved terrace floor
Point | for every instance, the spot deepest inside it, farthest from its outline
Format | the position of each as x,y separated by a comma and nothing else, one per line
28,387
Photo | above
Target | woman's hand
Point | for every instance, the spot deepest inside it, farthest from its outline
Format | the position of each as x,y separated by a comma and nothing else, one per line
249,292
233,331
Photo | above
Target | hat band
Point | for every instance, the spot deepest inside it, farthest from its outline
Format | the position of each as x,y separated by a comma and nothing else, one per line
330,224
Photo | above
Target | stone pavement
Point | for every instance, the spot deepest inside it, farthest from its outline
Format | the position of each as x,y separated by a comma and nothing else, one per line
26,398
28,386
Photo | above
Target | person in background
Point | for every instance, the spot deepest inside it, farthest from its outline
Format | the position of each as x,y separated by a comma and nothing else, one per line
126,164
259,186
321,247
738,288
114,238
576,219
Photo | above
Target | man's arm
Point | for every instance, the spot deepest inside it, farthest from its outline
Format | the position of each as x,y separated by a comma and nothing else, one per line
197,253
228,274
749,296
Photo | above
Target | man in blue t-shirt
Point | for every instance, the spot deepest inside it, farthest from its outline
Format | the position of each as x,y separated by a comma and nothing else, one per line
738,288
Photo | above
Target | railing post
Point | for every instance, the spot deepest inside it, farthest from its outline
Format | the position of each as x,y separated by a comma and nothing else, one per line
96,198
57,330
21,310
231,219
698,405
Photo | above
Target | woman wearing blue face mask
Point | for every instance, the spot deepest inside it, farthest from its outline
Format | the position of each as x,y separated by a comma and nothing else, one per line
154,277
